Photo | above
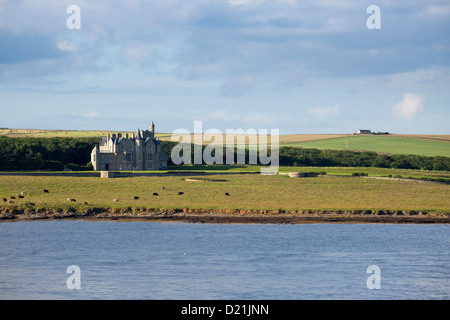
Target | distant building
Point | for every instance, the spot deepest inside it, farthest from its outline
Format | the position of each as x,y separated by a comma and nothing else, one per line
363,131
370,132
141,151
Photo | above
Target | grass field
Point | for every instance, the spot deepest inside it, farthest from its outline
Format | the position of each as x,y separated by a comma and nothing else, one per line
339,171
246,192
334,171
41,133
383,144
425,145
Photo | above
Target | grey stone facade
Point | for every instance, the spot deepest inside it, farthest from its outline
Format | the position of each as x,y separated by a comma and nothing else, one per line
140,151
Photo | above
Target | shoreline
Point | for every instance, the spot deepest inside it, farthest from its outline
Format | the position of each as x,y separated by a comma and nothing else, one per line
231,216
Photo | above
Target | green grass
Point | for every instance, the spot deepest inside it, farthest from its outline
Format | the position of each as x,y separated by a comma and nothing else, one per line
246,192
383,144
338,171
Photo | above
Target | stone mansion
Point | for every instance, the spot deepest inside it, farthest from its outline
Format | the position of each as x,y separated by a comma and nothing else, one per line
141,151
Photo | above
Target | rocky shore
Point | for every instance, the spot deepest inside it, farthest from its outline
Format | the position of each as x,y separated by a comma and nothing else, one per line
232,216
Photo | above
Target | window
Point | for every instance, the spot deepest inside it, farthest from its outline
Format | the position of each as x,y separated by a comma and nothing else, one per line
150,156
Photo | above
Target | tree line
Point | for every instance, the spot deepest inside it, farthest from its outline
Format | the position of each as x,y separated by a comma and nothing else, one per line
75,153
292,156
46,153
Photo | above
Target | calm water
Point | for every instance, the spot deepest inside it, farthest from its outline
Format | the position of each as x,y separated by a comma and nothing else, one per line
144,260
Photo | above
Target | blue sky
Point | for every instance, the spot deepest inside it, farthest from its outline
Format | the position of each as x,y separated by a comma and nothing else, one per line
297,66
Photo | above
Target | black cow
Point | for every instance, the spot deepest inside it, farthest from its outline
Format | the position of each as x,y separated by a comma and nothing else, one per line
155,194
180,193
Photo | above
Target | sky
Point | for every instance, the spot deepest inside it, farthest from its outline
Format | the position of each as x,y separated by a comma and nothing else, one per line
302,67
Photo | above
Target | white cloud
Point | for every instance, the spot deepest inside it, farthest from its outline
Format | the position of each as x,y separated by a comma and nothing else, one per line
257,119
324,113
92,114
436,12
66,46
219,114
410,105
244,2
138,52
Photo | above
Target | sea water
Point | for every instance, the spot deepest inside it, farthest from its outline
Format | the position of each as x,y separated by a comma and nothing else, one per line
75,259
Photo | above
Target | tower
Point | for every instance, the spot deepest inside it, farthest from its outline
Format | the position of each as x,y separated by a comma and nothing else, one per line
139,146
94,158
152,127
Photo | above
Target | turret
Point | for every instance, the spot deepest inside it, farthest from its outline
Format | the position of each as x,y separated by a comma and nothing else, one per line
94,157
152,127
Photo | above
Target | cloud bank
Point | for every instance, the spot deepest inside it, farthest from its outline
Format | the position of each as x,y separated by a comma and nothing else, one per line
260,61
409,106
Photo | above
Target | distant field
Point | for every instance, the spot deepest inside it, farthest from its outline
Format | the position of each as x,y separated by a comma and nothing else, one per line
344,171
41,133
384,144
426,145
246,192
337,171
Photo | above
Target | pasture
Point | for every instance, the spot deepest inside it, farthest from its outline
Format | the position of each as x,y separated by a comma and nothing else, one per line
383,144
426,145
277,192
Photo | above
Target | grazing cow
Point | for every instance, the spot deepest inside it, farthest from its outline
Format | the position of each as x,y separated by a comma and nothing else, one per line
136,198
70,199
163,188
46,191
11,202
180,193
155,194
5,200
23,193
227,194
116,200
84,202
21,197
12,197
